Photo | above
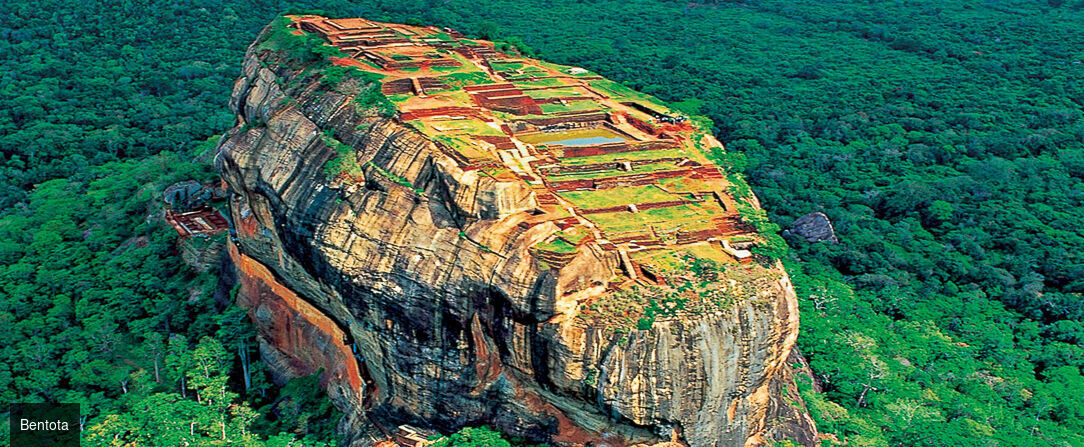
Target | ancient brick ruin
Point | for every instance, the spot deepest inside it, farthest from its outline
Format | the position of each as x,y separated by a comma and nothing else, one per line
606,164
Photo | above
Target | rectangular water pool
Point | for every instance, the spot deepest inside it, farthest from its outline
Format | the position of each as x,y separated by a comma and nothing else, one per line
575,137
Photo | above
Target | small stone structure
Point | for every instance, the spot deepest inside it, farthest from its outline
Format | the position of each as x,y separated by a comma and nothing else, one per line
203,221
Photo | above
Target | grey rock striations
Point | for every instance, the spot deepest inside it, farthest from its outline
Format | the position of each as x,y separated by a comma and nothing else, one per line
424,303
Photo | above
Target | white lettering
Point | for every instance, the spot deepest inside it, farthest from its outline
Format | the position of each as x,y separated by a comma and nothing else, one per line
26,425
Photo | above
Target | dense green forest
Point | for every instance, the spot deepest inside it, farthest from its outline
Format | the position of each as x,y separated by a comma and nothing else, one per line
944,139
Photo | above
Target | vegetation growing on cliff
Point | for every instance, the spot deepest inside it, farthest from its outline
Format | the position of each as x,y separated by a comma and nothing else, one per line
371,98
694,286
772,246
345,163
480,437
301,49
298,48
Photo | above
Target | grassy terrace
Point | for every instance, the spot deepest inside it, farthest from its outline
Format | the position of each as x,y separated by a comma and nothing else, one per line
464,145
607,173
557,246
553,92
462,79
570,106
682,184
506,66
674,260
451,98
543,82
566,241
449,69
398,99
617,196
460,127
558,212
690,216
442,36
635,155
574,235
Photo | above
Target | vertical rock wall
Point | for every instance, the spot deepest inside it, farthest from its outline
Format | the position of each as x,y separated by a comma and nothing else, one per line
457,323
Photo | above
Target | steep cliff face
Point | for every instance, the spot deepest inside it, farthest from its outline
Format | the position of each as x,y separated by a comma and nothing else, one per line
415,286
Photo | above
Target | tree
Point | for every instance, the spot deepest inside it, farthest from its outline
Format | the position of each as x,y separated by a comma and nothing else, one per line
477,437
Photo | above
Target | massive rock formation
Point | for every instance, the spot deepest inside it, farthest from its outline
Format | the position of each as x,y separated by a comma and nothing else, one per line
417,285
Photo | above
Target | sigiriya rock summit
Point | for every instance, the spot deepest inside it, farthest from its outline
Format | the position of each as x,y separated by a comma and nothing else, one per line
457,235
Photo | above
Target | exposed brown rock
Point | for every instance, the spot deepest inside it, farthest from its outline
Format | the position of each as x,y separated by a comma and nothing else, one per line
457,322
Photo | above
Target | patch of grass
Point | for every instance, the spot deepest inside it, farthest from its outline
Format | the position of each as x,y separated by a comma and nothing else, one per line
541,82
772,245
335,75
580,234
300,48
390,176
684,184
345,162
635,155
464,127
557,245
607,173
602,173
553,92
463,145
617,196
531,70
689,216
570,106
372,98
441,35
465,78
564,69
506,66
659,260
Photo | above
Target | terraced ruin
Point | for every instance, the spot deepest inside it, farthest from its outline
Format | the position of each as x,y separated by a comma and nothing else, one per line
607,164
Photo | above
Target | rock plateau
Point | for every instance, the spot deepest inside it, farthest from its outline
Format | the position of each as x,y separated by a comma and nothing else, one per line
460,236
